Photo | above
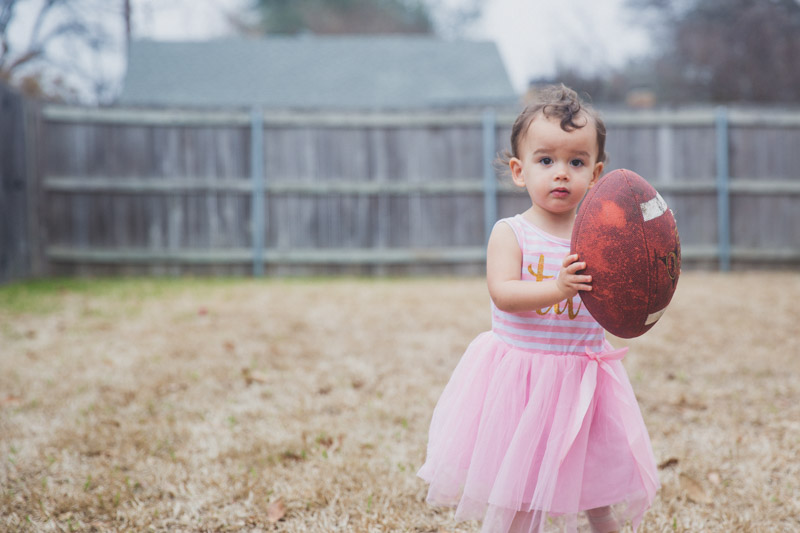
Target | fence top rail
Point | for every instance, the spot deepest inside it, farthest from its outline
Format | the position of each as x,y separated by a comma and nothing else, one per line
196,117
278,185
688,117
704,116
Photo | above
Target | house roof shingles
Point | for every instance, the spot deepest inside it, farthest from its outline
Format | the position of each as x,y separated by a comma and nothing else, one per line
306,72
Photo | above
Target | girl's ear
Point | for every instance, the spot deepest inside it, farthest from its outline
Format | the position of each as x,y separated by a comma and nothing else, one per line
598,171
516,172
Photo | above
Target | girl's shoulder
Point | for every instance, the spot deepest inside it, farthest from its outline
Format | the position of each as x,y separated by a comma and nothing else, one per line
527,231
515,223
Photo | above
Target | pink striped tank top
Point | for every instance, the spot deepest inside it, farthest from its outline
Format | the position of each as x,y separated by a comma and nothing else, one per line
564,328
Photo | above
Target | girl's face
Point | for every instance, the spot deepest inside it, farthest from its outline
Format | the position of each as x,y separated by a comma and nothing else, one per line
556,167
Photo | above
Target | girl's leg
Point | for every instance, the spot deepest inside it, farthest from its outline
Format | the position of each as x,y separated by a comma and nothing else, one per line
602,520
525,522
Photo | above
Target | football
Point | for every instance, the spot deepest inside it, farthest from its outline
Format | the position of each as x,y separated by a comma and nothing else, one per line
628,238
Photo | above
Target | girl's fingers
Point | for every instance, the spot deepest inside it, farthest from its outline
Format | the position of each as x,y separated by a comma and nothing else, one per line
569,260
575,267
582,281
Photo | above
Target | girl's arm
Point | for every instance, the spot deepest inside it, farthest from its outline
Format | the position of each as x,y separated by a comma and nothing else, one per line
510,293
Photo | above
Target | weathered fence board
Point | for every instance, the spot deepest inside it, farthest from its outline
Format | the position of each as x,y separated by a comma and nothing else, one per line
15,261
173,191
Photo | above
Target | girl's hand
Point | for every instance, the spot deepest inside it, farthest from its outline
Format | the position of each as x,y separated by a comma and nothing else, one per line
513,295
569,281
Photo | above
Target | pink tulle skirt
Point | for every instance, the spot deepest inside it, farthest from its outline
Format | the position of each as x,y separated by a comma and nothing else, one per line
528,441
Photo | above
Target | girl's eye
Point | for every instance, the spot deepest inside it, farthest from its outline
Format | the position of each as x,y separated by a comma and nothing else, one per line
545,161
576,163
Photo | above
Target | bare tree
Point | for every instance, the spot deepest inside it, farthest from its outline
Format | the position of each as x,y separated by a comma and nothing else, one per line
342,16
363,16
727,50
452,20
62,56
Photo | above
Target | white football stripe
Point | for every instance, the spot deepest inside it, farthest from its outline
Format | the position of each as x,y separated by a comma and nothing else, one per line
653,208
652,317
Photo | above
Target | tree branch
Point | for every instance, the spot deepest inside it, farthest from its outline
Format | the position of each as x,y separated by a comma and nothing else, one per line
6,14
40,18
27,57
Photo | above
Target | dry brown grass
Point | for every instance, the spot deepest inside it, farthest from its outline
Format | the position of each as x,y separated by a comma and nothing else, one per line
304,405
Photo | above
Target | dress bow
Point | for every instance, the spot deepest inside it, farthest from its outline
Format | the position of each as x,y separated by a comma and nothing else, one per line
588,386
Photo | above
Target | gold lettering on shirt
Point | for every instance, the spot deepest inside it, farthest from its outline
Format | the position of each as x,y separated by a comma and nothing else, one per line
569,306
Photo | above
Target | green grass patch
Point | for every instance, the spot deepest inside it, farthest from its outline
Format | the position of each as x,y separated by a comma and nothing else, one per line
45,296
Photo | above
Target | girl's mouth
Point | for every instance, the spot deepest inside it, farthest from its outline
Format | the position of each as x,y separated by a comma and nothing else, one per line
560,192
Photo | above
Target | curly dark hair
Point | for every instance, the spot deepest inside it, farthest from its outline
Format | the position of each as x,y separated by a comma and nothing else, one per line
560,102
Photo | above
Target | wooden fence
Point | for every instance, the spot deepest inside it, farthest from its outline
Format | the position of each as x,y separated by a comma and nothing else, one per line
147,191
15,255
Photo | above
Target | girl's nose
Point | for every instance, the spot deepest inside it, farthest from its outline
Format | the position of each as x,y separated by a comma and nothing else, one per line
561,172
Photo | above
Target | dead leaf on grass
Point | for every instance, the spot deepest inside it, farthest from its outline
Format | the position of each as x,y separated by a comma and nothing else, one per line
276,511
694,490
254,376
326,441
685,404
291,455
672,461
10,400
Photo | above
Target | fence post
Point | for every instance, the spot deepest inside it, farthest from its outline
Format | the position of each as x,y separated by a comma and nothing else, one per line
257,174
665,153
723,189
37,235
489,177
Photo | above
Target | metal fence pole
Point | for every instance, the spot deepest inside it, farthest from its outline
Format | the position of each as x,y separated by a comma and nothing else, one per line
489,177
723,189
257,174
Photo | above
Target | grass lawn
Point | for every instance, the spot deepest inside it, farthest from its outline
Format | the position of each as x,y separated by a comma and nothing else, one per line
303,405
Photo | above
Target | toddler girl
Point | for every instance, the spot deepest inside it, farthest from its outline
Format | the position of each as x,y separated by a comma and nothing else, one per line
538,428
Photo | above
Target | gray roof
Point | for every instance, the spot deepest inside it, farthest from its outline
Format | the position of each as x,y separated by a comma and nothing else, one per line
307,72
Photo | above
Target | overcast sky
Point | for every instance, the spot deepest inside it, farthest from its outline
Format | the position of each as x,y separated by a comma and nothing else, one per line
533,36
